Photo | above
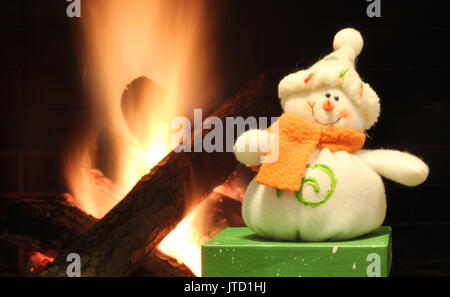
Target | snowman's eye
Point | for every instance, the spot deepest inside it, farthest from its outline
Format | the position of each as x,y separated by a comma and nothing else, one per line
336,98
328,95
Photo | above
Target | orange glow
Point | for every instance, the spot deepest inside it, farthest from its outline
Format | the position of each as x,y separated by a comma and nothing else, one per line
165,41
185,241
184,245
39,260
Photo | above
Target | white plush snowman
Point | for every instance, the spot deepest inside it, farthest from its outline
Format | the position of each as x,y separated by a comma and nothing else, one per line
322,185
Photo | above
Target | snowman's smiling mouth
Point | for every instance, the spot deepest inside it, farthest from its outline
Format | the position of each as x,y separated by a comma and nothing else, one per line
317,121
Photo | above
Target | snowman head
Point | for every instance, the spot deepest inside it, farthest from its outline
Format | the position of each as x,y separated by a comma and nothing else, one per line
331,92
326,106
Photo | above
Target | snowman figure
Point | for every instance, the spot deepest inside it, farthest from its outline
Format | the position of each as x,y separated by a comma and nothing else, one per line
322,185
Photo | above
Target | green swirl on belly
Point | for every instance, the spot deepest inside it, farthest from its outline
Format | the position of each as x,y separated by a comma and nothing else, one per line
313,182
307,180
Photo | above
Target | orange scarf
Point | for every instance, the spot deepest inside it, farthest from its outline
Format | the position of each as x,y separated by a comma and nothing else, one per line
297,140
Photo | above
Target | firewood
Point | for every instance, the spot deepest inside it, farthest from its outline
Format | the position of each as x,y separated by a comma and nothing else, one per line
215,213
42,226
140,94
36,230
161,265
133,228
51,220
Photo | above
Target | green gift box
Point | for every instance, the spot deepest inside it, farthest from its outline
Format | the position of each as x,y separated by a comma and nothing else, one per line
240,252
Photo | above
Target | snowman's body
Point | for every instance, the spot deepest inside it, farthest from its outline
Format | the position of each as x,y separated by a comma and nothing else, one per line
341,194
357,205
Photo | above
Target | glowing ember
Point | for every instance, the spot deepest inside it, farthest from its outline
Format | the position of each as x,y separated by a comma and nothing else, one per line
39,260
164,41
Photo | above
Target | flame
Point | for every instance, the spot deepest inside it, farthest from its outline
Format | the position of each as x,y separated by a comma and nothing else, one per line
164,41
182,244
185,241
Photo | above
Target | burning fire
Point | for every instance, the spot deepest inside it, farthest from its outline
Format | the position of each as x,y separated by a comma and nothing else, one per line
165,42
182,244
38,260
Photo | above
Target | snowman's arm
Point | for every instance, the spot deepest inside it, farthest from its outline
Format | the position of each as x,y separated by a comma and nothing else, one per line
252,145
400,167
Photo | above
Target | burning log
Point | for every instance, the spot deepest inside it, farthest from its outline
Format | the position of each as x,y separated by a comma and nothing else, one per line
215,213
141,94
161,265
36,230
128,234
52,220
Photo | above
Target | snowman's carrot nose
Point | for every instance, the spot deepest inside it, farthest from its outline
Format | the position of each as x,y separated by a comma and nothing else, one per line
328,105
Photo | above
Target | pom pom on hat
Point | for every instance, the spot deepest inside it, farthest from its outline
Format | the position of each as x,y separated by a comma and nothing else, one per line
348,37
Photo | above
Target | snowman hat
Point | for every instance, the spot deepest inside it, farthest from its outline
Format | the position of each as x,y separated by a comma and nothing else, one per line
337,70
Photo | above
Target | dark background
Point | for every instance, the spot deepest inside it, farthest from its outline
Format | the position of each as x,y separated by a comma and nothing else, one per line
405,59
